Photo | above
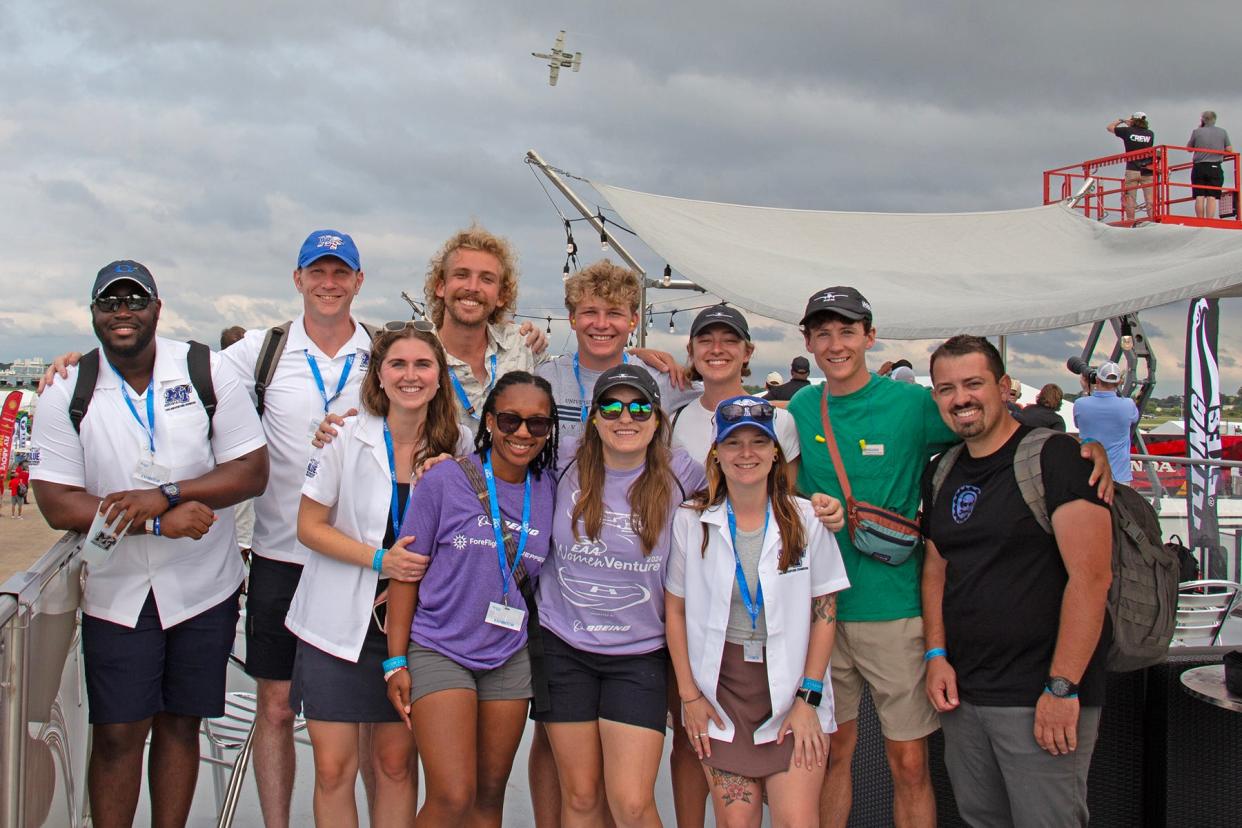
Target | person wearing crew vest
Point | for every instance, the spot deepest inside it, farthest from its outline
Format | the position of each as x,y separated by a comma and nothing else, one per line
354,549
160,607
1135,135
750,610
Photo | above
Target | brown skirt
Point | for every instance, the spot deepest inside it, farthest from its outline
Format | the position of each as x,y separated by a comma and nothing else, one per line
743,694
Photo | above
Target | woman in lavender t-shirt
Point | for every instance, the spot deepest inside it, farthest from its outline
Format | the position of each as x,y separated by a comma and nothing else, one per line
469,674
602,607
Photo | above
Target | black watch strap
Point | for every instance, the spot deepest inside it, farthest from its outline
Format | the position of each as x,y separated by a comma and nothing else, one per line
811,697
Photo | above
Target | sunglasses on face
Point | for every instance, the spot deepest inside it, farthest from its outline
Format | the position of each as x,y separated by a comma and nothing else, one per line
417,324
111,304
639,411
538,426
732,413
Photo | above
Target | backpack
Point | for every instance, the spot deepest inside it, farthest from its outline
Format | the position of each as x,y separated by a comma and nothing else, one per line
1187,564
1142,598
269,355
198,360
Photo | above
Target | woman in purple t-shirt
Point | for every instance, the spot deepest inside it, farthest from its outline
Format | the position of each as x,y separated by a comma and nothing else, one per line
601,603
469,677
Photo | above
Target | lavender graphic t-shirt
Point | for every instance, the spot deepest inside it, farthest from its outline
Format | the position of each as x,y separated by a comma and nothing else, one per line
603,595
450,524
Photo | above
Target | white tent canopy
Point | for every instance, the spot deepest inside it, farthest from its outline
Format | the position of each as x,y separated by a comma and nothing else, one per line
931,275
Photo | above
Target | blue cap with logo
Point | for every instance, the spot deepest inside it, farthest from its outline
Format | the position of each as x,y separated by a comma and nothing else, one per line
329,243
738,412
125,270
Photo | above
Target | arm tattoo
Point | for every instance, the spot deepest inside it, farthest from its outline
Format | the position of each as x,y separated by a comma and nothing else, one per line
824,608
733,787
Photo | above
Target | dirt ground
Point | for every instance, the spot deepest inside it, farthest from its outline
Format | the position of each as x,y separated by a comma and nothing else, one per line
23,541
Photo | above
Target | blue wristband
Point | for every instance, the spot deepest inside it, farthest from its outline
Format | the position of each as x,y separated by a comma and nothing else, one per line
394,662
155,525
1086,440
377,561
812,684
937,652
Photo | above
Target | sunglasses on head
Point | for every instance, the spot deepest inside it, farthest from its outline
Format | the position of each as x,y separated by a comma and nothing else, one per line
639,411
538,426
760,412
417,324
111,304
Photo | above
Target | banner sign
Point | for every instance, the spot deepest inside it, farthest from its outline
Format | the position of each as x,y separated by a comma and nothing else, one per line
1202,407
8,420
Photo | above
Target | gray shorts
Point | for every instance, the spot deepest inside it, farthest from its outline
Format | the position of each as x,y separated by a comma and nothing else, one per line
431,672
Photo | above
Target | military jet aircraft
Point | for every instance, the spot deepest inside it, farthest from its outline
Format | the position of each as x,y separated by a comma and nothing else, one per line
559,59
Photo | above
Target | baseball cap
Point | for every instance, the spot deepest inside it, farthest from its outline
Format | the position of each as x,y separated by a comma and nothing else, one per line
845,301
125,270
800,364
1109,372
903,373
631,376
736,412
329,243
721,314
774,378
1139,115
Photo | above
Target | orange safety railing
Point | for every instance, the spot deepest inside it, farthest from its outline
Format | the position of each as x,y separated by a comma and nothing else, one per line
1170,190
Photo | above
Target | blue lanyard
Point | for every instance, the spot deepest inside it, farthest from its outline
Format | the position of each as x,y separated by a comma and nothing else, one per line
461,392
498,527
755,606
323,392
396,515
582,394
147,430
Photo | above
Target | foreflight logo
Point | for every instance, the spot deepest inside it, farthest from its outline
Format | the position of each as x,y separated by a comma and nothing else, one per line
459,541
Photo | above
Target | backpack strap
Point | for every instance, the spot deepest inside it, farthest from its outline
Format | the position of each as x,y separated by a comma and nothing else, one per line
943,466
835,452
84,389
1029,475
269,355
677,416
199,362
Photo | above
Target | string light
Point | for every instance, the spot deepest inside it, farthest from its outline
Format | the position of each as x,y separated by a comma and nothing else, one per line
672,315
549,324
1127,339
668,275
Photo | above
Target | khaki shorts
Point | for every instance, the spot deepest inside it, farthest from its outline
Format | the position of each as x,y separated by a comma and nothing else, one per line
887,656
431,672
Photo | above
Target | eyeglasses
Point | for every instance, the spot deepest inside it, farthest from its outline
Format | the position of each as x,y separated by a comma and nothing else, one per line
417,324
640,412
538,426
760,412
111,304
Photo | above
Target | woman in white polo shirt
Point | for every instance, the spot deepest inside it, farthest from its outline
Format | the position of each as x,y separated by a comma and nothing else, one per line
750,611
353,499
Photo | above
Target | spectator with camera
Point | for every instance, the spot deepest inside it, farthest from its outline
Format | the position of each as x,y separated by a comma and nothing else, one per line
1107,418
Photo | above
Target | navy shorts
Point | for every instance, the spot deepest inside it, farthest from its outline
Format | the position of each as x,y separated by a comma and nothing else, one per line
1207,176
270,646
132,674
330,689
585,687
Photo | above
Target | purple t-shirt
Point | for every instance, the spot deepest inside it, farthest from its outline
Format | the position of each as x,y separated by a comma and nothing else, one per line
449,524
603,595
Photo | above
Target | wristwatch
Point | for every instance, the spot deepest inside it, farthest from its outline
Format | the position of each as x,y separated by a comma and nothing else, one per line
1061,687
171,491
811,697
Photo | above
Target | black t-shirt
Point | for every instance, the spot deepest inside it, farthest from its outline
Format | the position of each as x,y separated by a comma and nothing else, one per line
1005,577
786,390
1136,139
1040,416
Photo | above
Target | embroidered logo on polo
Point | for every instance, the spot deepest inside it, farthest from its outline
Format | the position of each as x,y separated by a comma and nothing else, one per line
364,359
312,468
177,397
964,501
459,541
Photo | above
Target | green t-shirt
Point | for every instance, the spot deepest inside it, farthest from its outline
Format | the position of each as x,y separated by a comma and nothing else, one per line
886,432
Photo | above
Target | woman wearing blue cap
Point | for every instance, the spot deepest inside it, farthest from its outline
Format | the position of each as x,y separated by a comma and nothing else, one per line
750,611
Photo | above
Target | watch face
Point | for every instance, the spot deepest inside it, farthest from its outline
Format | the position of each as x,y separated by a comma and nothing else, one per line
1059,686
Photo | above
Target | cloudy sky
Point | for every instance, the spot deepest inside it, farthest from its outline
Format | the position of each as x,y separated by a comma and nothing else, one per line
206,140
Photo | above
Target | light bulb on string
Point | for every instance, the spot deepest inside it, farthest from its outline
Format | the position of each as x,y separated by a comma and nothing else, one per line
671,328
603,240
565,270
668,275
1127,338
650,320
549,324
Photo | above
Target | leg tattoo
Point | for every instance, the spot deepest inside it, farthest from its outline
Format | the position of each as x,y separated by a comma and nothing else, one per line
733,787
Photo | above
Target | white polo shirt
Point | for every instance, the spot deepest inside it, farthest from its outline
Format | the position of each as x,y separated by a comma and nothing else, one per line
188,576
332,605
705,581
292,402
511,353
695,431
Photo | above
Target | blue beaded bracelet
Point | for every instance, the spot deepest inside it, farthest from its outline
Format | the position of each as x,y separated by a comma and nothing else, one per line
938,652
393,663
377,561
812,684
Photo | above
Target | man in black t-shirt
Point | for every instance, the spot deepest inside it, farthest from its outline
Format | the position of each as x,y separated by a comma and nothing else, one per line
799,378
1136,136
1014,617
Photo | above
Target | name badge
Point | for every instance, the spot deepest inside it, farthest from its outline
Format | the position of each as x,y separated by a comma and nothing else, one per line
752,652
148,471
510,618
873,450
314,426
101,539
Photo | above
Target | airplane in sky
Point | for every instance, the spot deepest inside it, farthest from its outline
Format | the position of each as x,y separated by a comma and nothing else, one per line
559,59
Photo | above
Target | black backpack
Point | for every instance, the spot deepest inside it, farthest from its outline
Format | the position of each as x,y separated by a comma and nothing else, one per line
1142,599
198,360
269,355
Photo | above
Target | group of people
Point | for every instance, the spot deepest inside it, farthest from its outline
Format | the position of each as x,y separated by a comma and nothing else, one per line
485,532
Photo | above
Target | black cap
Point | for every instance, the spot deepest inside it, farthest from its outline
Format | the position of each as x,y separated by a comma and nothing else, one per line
124,270
631,376
800,364
845,301
721,314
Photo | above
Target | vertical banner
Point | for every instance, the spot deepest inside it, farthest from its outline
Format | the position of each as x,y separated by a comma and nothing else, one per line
8,421
1202,407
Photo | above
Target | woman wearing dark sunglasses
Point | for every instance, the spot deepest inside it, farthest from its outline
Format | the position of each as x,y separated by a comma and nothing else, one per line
485,522
602,606
751,605
353,500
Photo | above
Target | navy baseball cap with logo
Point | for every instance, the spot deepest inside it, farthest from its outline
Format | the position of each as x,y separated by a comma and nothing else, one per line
845,301
800,363
329,243
124,270
721,314
631,376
